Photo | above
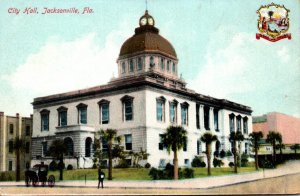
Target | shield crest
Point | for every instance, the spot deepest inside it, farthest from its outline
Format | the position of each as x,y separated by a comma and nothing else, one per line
273,22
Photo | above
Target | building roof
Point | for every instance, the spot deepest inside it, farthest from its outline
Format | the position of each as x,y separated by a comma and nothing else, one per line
147,39
150,79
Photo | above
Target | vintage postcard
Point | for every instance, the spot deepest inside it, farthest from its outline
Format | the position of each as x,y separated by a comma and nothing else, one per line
149,97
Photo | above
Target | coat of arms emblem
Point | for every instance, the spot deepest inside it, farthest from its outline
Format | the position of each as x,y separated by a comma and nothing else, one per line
273,22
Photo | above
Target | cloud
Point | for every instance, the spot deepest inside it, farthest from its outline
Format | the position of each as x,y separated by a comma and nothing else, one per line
237,63
61,65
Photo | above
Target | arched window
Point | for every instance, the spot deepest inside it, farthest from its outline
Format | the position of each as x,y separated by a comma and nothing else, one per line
168,65
70,146
174,68
88,147
123,67
131,66
162,64
152,64
140,63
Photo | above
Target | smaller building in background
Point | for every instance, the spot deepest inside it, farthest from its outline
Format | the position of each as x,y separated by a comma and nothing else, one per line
10,128
287,126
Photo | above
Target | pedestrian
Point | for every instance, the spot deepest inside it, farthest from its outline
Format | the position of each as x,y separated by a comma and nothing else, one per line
101,177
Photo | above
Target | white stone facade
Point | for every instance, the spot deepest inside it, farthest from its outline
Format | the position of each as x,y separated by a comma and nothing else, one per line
145,86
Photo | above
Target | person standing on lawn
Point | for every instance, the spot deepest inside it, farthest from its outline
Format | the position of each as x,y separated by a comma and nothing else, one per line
101,176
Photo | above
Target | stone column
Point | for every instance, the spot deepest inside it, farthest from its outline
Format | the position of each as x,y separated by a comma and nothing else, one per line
201,113
211,119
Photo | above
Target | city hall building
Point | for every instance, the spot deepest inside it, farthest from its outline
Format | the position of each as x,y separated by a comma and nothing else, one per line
144,99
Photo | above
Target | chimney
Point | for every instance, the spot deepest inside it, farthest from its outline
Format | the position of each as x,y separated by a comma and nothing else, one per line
17,115
1,113
31,116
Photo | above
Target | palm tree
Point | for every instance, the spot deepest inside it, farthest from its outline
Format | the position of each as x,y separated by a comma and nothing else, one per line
208,138
295,147
272,138
19,147
110,135
255,138
174,139
233,138
57,150
280,146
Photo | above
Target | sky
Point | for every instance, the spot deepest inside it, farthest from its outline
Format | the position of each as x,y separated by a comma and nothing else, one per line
219,55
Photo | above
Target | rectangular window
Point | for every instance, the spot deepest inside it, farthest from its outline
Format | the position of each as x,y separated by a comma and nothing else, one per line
238,123
128,110
44,149
206,118
104,113
231,123
10,146
27,130
11,128
184,115
83,115
186,162
245,125
27,147
197,116
128,142
216,120
198,147
63,118
10,165
160,144
45,121
173,112
159,111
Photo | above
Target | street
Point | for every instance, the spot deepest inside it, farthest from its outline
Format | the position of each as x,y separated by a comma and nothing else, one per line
288,184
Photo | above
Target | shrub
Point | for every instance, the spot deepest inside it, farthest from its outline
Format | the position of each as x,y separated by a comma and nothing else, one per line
203,164
268,164
53,166
222,154
94,166
217,162
196,162
70,167
147,165
122,164
168,173
188,173
244,160
231,164
228,153
7,176
61,165
154,173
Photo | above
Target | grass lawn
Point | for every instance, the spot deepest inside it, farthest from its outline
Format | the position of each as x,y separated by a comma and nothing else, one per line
139,173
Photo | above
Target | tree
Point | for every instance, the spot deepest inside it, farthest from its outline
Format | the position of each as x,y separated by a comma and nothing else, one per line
208,138
110,135
233,138
272,138
295,147
19,147
280,146
57,150
255,137
174,139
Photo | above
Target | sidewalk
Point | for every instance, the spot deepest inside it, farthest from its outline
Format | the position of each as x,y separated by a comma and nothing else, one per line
291,167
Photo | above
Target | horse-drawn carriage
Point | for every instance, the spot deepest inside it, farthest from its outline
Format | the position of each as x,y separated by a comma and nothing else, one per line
38,174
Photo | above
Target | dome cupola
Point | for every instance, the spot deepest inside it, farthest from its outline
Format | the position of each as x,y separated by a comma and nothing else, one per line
147,51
